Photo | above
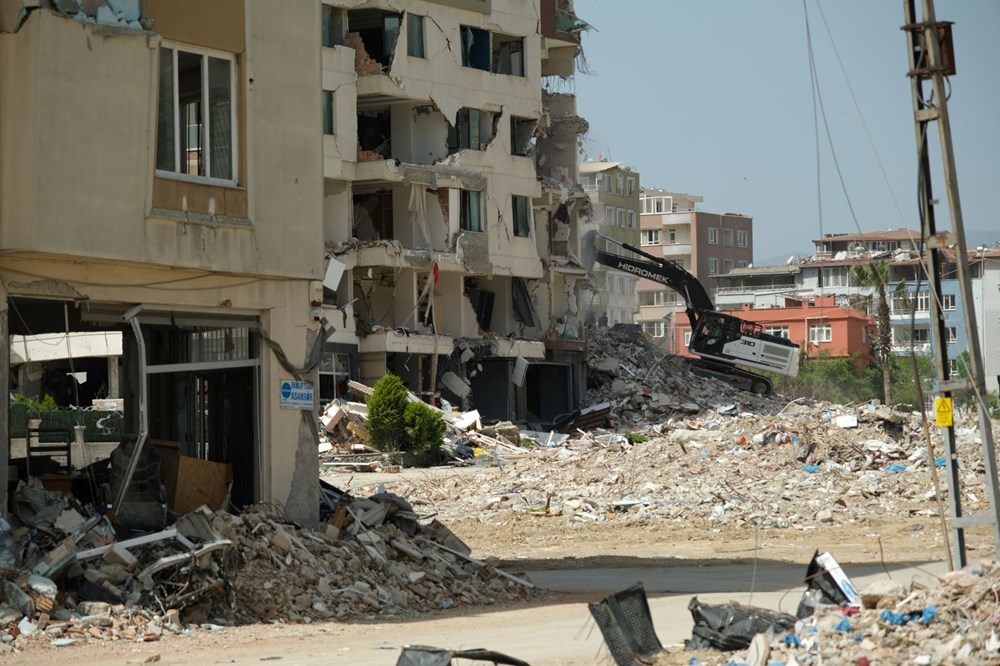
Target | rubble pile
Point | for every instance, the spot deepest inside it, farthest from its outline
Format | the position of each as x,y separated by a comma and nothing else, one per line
66,575
809,465
953,623
646,384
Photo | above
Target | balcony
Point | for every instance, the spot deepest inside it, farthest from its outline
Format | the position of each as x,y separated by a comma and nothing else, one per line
919,348
676,249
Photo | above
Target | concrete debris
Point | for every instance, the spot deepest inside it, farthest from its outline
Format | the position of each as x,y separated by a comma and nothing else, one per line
212,569
954,622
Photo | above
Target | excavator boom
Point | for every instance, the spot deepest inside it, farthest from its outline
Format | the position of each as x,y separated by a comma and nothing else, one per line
721,341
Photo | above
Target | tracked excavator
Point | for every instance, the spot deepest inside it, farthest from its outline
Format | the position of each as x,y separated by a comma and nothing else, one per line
721,342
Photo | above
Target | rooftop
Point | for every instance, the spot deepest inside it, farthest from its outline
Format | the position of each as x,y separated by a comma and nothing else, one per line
888,235
594,167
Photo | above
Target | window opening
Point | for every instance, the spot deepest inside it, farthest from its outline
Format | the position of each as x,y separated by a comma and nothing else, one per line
522,216
471,211
415,36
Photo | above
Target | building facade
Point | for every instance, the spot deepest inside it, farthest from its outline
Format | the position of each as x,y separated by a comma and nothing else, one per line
614,193
262,198
708,245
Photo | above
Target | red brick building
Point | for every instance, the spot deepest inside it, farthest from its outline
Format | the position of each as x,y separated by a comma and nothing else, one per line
817,325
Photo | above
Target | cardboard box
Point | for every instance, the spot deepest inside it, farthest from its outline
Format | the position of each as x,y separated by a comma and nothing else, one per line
201,482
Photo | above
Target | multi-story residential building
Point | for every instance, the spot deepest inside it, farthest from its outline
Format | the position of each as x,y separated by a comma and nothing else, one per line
443,226
160,178
614,192
212,152
708,245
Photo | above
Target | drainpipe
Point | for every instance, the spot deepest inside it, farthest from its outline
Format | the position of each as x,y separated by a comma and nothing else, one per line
130,318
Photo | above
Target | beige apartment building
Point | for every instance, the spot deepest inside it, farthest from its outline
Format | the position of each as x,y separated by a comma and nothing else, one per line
708,245
614,192
266,199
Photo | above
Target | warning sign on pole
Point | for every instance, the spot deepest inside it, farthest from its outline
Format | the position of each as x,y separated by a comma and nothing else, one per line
942,412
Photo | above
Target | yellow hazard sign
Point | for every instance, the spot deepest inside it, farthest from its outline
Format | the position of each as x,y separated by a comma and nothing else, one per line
942,412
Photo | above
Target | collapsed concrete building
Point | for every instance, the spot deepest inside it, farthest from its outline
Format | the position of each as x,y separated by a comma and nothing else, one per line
266,199
451,209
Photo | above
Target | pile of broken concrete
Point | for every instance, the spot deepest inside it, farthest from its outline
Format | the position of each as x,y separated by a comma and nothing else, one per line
68,575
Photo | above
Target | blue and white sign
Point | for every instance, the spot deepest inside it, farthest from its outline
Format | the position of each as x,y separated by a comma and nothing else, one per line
296,394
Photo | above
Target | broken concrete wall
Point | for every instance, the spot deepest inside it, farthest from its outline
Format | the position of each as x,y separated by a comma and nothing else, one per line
557,150
339,78
455,316
337,204
419,133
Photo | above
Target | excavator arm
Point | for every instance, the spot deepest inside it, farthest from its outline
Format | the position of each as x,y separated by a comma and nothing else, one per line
721,341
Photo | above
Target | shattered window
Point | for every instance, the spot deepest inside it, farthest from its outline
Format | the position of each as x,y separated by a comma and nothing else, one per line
415,36
522,216
508,55
195,120
328,117
471,211
473,130
522,133
475,48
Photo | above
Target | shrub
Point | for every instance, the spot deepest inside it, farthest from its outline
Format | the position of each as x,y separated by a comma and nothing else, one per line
386,414
424,430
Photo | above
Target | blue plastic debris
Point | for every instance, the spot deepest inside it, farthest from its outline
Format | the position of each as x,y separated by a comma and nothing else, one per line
812,469
791,640
895,467
694,661
844,625
704,454
899,619
940,462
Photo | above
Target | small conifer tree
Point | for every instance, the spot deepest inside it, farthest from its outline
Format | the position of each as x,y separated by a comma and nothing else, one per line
386,414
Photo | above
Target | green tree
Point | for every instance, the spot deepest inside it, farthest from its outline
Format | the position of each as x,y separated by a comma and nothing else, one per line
424,430
875,274
966,398
386,414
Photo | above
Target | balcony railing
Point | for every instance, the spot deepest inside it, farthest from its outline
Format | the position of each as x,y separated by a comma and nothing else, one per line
676,249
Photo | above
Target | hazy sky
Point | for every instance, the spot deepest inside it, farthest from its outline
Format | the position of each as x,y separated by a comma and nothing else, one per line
713,97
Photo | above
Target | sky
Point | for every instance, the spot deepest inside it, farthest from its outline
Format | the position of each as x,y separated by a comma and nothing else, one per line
714,98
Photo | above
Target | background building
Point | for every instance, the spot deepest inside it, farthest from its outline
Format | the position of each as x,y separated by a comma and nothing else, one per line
708,245
614,192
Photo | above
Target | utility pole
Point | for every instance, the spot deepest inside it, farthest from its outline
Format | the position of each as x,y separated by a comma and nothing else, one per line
932,58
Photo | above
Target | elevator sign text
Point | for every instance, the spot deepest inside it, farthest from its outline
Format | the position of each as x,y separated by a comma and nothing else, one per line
296,394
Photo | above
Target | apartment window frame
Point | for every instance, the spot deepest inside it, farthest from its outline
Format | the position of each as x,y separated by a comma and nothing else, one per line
649,237
742,239
778,331
820,333
620,217
521,210
952,333
630,186
713,235
728,238
473,130
470,201
205,54
656,328
630,219
329,113
415,25
522,134
619,184
606,180
609,216
949,302
713,265
687,338
727,266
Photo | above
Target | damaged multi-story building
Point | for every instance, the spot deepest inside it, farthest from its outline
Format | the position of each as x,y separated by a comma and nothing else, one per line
259,199
451,208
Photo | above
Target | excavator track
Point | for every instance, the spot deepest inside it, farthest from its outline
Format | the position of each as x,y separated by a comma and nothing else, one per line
741,379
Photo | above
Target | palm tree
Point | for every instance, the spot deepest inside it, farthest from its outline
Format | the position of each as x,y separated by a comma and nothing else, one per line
875,274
